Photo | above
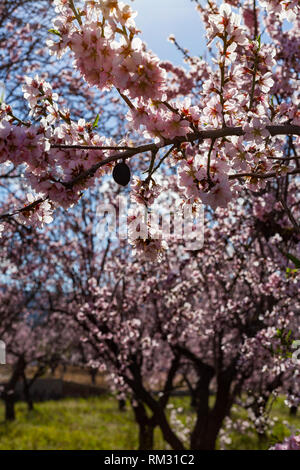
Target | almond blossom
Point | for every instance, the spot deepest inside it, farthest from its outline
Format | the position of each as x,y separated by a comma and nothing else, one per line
256,130
39,214
248,91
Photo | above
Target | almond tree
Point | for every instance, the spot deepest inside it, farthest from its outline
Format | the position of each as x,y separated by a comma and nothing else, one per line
243,132
223,317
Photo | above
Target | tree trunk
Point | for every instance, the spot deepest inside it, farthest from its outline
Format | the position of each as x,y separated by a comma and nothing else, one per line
27,394
205,434
28,399
93,375
146,427
209,421
8,395
146,437
30,405
158,418
262,439
193,402
122,405
9,400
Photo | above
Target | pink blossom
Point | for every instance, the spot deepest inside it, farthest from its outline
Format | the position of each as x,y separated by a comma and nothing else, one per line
290,443
256,130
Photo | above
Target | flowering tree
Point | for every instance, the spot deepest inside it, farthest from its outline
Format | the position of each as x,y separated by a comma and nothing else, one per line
241,133
24,28
291,443
35,338
222,318
32,347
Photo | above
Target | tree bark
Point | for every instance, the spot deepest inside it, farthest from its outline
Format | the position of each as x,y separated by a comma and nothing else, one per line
157,409
206,430
122,405
209,421
146,437
207,435
8,395
9,401
93,375
146,427
27,394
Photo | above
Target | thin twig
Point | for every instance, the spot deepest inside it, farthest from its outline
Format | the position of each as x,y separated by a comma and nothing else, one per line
89,147
126,99
290,215
163,158
24,209
210,183
263,175
207,134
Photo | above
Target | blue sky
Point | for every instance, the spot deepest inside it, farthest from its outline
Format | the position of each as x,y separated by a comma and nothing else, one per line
159,18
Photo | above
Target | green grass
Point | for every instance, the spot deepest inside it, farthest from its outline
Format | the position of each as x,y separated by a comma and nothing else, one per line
96,423
93,423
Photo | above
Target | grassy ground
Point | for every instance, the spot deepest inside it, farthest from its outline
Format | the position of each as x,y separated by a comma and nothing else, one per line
96,423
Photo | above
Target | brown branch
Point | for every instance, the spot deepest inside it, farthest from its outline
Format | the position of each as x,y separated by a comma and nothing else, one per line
286,129
290,215
126,99
255,20
263,175
89,147
24,209
208,162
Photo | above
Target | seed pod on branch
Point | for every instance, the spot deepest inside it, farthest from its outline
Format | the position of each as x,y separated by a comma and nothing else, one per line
121,174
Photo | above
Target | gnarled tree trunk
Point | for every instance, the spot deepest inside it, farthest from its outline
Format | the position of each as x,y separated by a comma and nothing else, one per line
9,401
146,427
26,389
8,394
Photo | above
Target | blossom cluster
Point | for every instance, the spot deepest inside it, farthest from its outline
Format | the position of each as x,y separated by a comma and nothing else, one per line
106,49
286,9
145,237
235,91
193,304
48,170
290,443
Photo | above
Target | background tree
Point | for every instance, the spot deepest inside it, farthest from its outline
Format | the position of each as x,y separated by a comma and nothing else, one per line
224,316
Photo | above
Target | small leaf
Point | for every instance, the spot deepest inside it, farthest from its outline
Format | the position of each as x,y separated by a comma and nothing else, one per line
295,260
54,31
259,41
95,123
279,332
291,271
